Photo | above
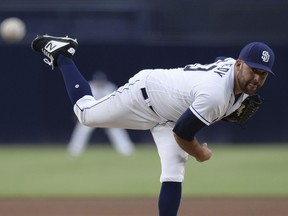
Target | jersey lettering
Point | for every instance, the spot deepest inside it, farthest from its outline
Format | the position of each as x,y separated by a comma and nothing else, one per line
221,71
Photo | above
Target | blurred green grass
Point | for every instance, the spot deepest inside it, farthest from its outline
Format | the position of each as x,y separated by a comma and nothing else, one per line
242,170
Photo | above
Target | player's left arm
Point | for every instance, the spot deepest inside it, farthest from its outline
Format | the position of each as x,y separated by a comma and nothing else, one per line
184,132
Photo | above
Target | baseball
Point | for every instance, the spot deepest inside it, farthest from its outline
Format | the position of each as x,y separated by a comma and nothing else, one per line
12,30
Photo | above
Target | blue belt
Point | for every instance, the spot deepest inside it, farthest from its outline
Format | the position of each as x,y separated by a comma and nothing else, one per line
145,96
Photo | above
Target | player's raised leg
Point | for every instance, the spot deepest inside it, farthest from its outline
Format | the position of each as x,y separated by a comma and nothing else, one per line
88,110
60,51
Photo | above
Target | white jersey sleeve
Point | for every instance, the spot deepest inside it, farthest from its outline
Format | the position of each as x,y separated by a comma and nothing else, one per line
213,95
209,104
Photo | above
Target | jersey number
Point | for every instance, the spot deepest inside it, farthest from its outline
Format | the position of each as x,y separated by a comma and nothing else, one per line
199,67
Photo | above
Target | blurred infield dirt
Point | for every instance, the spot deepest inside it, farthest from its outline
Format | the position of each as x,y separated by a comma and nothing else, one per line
142,207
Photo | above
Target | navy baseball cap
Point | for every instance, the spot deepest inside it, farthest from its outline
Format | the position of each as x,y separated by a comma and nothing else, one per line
258,55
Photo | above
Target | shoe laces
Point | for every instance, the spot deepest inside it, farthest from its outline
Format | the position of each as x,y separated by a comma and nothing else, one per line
49,60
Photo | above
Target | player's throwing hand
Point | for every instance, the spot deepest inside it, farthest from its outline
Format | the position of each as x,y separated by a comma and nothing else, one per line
206,153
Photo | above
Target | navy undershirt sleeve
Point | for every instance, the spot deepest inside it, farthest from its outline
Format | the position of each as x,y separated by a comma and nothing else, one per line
188,125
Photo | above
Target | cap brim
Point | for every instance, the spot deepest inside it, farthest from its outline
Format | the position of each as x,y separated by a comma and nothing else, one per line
259,66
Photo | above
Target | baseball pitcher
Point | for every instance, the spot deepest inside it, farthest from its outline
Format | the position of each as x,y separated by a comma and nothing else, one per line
174,104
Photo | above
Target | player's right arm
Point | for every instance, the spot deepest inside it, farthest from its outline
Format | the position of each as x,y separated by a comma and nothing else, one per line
184,132
194,148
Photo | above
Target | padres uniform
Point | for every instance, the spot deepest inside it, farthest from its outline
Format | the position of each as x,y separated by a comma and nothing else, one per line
173,104
154,100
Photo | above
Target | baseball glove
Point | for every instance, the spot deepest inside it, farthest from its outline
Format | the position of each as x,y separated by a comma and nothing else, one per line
247,109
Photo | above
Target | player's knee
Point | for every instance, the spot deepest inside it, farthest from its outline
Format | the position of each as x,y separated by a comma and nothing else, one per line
84,120
174,178
172,174
80,108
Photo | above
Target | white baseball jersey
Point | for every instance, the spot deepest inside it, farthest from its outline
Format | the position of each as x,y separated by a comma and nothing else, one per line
155,99
206,89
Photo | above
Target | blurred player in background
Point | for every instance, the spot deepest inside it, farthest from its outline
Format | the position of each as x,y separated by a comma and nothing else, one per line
119,138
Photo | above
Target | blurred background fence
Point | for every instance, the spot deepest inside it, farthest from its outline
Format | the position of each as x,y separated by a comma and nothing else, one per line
122,37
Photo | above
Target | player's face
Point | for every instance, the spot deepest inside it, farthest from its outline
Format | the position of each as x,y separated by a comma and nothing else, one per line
250,79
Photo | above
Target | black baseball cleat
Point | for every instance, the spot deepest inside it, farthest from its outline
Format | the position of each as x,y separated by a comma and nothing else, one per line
52,46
